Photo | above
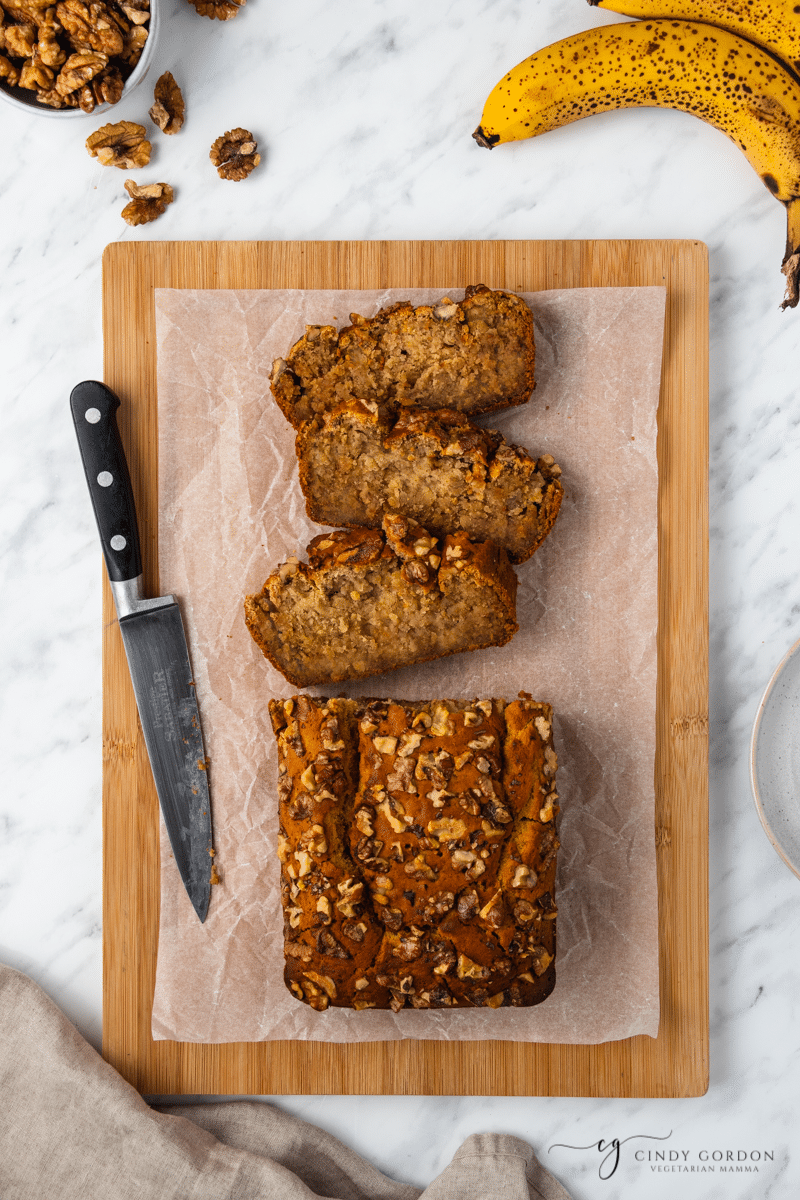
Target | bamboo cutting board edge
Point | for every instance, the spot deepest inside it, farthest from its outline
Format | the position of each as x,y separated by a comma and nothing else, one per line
675,1063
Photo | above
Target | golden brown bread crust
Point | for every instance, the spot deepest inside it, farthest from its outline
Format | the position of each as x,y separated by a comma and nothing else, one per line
418,851
475,356
370,601
357,463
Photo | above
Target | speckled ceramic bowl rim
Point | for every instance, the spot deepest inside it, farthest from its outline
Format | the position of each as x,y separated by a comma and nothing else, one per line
134,79
788,656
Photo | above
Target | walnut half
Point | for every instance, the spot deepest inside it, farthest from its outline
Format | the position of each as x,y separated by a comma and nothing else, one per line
234,154
169,109
120,145
220,10
148,201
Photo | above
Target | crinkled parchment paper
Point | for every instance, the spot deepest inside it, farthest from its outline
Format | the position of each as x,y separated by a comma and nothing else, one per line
231,509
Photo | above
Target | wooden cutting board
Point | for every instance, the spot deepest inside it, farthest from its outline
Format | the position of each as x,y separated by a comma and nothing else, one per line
675,1063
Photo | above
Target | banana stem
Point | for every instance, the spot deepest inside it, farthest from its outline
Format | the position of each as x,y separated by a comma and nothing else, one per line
487,140
791,259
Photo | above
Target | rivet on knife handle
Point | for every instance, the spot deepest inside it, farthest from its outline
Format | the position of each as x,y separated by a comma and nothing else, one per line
94,411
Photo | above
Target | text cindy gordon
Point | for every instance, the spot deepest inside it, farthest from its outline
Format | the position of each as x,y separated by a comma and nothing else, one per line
705,1161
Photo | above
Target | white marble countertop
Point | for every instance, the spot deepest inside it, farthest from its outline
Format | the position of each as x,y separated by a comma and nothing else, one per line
363,112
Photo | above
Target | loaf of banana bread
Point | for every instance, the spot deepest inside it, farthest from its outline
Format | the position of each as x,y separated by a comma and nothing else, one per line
418,851
474,356
357,463
369,601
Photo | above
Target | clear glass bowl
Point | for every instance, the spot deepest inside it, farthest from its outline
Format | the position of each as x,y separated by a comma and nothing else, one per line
25,100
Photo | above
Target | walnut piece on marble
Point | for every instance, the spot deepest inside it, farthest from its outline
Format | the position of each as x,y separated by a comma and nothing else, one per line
147,202
122,144
219,10
234,154
169,110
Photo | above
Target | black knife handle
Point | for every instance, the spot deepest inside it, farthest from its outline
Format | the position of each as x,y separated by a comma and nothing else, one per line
94,412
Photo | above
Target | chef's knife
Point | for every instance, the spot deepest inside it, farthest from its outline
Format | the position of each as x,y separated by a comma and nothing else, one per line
155,644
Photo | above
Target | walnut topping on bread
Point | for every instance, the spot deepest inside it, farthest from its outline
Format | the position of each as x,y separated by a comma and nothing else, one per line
392,901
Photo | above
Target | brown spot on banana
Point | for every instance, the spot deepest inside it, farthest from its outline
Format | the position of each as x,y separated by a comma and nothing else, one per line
774,25
685,65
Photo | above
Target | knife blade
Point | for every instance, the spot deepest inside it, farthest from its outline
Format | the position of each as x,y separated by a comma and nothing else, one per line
155,646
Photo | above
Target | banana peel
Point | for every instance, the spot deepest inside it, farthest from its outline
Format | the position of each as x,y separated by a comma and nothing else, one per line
773,24
690,66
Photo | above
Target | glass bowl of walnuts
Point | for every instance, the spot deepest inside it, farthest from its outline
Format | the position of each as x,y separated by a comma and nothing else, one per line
74,58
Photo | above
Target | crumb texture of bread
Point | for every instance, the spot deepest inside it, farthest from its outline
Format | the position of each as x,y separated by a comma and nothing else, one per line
369,601
357,464
418,849
474,356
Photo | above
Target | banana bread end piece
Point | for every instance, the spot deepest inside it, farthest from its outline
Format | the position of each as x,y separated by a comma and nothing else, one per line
418,850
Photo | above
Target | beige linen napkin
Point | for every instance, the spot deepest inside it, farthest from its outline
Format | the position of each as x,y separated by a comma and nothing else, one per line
72,1128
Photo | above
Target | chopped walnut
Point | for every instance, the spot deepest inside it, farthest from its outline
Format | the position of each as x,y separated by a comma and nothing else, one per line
220,10
35,75
234,154
147,203
133,45
79,69
468,969
90,26
20,40
323,981
169,109
541,959
53,99
107,87
8,71
385,745
524,877
137,11
120,145
48,48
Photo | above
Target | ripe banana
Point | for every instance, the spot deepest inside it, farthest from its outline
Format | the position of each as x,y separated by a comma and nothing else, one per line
774,24
685,65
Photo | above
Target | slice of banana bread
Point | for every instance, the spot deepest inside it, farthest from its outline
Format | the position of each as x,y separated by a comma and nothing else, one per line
474,356
368,602
357,464
418,851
